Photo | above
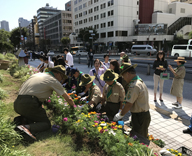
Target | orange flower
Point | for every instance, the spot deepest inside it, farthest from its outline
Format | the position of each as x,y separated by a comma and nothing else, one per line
114,123
76,98
93,113
75,95
130,144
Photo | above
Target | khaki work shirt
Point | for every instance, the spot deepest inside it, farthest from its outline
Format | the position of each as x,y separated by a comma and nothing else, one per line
96,95
137,95
118,93
41,85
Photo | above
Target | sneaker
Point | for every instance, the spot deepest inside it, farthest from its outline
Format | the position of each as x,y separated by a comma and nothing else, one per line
25,130
175,103
178,107
187,131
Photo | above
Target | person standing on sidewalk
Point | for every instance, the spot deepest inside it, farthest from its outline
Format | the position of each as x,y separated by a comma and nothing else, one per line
160,65
33,93
69,58
136,100
178,81
90,54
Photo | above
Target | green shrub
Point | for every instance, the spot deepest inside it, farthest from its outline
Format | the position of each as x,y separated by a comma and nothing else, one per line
10,56
2,93
2,57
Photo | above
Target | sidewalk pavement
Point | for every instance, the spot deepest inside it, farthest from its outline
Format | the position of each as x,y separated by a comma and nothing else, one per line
167,123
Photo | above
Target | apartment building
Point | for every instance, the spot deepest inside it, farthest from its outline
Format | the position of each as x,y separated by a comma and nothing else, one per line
58,26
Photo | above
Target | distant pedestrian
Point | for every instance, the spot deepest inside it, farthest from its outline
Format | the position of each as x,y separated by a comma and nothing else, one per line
69,58
90,61
160,65
178,81
26,57
106,62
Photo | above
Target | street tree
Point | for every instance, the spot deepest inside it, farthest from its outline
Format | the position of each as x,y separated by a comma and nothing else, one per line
190,35
65,41
5,43
84,35
15,36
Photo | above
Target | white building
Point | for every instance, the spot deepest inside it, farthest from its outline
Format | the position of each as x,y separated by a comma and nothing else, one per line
5,25
116,21
23,22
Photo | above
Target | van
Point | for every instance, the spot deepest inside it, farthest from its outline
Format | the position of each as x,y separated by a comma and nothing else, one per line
181,50
143,49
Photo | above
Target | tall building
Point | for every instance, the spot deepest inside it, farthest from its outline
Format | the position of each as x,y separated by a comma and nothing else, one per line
42,14
68,6
5,25
58,26
23,22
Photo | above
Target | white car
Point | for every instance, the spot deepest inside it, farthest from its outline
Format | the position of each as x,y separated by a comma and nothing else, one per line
81,52
50,53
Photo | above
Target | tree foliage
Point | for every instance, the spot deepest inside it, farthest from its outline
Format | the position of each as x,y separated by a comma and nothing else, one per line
5,43
65,41
15,36
84,35
190,35
44,44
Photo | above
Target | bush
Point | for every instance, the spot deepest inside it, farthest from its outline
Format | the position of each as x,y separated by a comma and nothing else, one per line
1,78
10,56
2,93
2,57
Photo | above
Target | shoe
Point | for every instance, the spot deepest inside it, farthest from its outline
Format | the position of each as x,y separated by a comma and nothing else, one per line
161,100
187,131
175,103
25,130
155,100
178,107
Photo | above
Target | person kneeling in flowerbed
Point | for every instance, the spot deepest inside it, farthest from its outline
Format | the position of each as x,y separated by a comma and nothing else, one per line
113,94
33,93
95,95
136,100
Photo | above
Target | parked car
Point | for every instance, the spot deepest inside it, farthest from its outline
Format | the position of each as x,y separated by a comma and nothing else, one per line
181,50
78,51
143,49
50,53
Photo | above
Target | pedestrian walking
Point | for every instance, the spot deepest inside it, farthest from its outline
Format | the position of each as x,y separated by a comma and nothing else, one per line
90,61
178,81
160,65
69,58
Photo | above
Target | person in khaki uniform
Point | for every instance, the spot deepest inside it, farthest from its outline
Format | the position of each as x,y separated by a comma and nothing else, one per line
136,100
113,94
33,93
178,81
94,94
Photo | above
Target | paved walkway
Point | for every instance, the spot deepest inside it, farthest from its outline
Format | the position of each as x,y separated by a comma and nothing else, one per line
167,123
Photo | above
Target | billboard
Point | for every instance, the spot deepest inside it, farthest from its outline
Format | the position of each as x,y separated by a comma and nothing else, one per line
147,29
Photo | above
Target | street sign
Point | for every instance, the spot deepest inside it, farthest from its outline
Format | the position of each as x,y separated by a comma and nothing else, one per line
22,38
20,43
21,35
25,38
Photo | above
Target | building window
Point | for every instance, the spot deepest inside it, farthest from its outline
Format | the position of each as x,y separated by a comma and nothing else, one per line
110,3
137,12
90,11
96,17
95,1
103,25
80,14
80,22
110,23
110,13
103,35
137,2
182,10
90,2
80,1
76,9
84,13
85,20
75,2
102,6
90,19
110,34
80,7
96,8
76,23
97,26
76,16
170,10
76,30
84,5
122,33
103,15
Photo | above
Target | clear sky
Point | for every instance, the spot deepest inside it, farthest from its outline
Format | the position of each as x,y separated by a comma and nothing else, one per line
12,10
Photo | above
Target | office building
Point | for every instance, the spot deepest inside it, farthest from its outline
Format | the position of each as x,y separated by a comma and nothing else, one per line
23,22
5,25
68,6
42,14
123,23
58,26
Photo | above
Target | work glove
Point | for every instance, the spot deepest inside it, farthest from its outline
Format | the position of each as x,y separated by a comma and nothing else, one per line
98,107
119,111
64,84
74,92
83,99
117,117
81,94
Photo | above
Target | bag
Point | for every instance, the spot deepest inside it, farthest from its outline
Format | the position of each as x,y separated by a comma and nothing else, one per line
165,75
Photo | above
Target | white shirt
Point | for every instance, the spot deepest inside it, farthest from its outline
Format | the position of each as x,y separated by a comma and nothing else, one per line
49,65
69,58
107,64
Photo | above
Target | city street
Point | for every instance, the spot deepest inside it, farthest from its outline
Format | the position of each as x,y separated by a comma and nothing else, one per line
167,123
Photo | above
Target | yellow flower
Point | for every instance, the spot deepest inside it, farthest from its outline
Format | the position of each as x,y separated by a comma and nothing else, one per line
180,154
102,122
82,113
13,146
176,151
96,123
120,126
86,116
99,128
172,150
87,132
93,125
105,127
78,121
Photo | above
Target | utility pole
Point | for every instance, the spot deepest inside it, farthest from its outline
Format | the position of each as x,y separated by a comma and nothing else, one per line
20,35
33,35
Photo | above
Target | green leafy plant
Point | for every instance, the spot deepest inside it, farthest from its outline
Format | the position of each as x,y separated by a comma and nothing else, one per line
2,93
10,56
1,78
2,57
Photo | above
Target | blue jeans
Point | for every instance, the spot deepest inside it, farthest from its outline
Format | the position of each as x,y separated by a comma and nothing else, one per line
190,126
